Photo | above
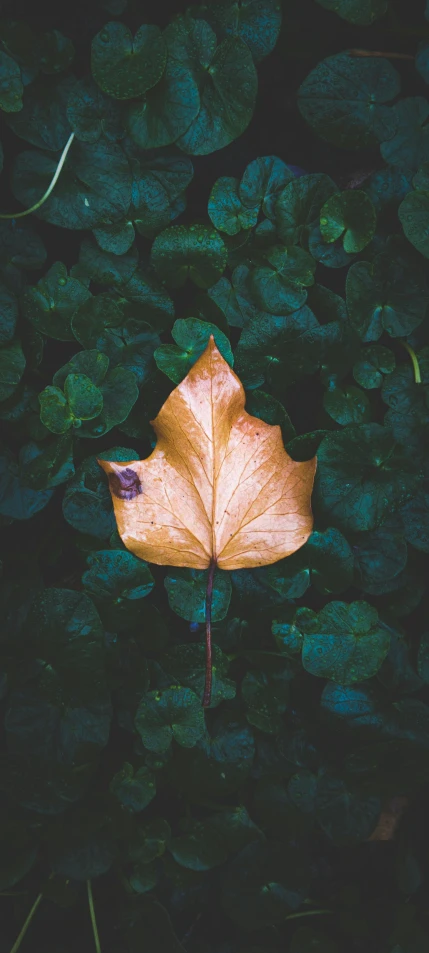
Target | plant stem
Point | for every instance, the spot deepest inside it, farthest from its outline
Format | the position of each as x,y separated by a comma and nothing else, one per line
93,918
306,913
209,596
413,356
381,53
34,208
26,924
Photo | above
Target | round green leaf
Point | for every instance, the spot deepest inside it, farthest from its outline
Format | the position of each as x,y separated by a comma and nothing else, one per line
84,399
379,556
374,362
12,367
186,590
388,294
87,504
118,387
11,87
55,412
347,405
415,517
299,203
19,501
226,210
409,147
133,789
330,561
50,305
362,477
43,117
413,214
116,575
342,642
262,182
344,100
186,664
193,251
279,289
350,215
92,115
125,67
257,22
167,110
174,713
192,337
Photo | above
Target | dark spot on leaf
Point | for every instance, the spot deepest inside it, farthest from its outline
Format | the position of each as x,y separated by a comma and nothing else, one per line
125,484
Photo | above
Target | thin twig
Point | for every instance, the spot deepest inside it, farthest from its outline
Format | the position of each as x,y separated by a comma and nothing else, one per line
34,208
26,924
93,917
381,53
413,356
209,597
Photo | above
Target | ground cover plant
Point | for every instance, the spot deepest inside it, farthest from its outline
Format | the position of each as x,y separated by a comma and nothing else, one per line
254,175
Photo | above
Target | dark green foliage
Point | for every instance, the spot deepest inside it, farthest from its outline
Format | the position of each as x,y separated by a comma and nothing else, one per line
244,828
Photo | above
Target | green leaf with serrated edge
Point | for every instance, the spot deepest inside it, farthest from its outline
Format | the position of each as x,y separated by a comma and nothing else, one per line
345,643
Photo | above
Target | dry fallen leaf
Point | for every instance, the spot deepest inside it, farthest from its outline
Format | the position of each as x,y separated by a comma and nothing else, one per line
219,489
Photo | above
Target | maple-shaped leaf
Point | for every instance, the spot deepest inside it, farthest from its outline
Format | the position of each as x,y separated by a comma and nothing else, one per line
219,490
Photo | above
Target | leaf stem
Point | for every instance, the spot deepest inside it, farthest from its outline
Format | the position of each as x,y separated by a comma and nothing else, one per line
26,924
93,917
413,356
381,53
34,208
209,596
306,913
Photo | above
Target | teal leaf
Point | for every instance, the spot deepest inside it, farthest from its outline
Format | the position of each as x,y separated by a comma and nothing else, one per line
106,268
387,187
347,405
87,504
94,187
11,88
191,337
133,789
118,387
298,206
409,147
189,251
12,367
362,477
113,325
115,578
17,500
408,414
226,209
379,556
374,362
345,643
174,713
257,22
330,560
20,247
55,412
361,14
279,286
234,297
186,590
415,518
91,114
125,66
389,294
351,216
186,664
413,214
221,761
344,99
262,182
42,121
53,464
265,407
51,303
266,695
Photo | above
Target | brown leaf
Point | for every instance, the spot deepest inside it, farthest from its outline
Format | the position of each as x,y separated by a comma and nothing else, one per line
219,488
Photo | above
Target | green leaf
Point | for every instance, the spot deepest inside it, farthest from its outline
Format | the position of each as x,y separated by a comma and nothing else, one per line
87,504
113,325
415,517
226,78
362,477
413,213
266,695
20,247
226,209
11,88
380,556
174,713
126,67
347,816
264,407
257,22
107,269
264,884
362,13
50,305
344,99
117,580
42,121
53,464
373,363
186,590
189,251
350,215
118,388
347,405
198,846
186,664
55,412
330,560
192,337
409,147
408,416
299,203
279,289
220,762
94,187
234,298
390,294
133,789
91,114
17,500
262,182
12,367
84,399
342,642
387,187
